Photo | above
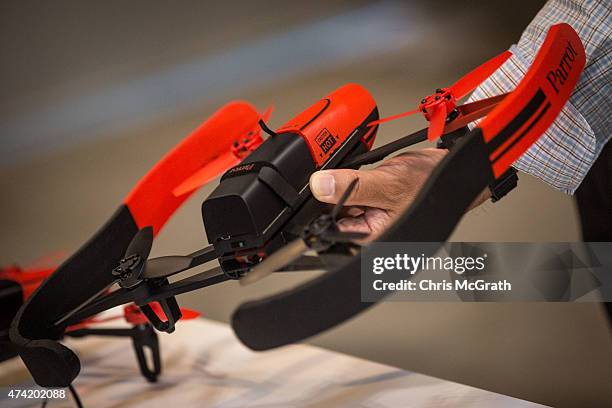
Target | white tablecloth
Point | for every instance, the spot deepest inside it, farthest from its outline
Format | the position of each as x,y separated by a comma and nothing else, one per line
204,365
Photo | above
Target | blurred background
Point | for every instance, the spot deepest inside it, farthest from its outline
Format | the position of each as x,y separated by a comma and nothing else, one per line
94,93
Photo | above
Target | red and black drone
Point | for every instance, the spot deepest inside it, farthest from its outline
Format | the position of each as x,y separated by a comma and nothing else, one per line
261,217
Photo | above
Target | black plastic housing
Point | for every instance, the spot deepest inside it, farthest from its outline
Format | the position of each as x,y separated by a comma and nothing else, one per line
266,194
240,211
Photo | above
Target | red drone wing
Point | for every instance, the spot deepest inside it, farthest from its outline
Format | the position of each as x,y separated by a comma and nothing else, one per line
225,161
207,173
209,141
528,111
472,79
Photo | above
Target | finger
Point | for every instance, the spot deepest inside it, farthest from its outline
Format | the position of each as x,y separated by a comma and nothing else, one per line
378,221
373,221
351,211
328,185
354,224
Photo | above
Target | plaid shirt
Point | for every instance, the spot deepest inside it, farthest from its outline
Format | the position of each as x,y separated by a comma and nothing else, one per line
564,154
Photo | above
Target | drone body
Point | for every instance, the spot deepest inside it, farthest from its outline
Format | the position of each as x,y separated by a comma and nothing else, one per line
262,217
256,198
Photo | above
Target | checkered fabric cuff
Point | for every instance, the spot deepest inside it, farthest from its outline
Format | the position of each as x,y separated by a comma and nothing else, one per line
564,154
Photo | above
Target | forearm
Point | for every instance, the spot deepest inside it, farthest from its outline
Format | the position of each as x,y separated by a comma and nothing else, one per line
564,154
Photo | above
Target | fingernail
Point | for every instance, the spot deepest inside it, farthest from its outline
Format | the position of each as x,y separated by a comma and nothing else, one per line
322,184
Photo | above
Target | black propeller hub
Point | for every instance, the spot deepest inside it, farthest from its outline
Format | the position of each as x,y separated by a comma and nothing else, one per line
315,233
129,271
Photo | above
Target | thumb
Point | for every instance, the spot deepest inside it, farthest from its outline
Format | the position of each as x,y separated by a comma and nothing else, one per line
329,185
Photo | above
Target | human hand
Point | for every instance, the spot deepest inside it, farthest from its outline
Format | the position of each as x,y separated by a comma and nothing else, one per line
381,194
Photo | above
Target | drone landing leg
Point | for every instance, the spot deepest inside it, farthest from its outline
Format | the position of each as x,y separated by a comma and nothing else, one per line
171,310
143,337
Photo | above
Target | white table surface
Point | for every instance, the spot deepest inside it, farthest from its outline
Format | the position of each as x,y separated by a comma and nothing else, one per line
204,365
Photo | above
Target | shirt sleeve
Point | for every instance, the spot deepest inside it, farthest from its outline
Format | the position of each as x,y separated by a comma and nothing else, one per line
563,156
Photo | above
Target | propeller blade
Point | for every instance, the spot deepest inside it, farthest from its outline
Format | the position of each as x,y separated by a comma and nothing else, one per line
296,248
470,112
472,79
189,314
437,122
267,113
165,266
207,173
394,117
279,259
345,196
141,243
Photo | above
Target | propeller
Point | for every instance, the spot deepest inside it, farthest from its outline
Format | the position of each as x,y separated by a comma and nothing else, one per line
165,266
141,244
475,77
437,122
394,117
279,259
440,107
319,236
135,267
241,147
